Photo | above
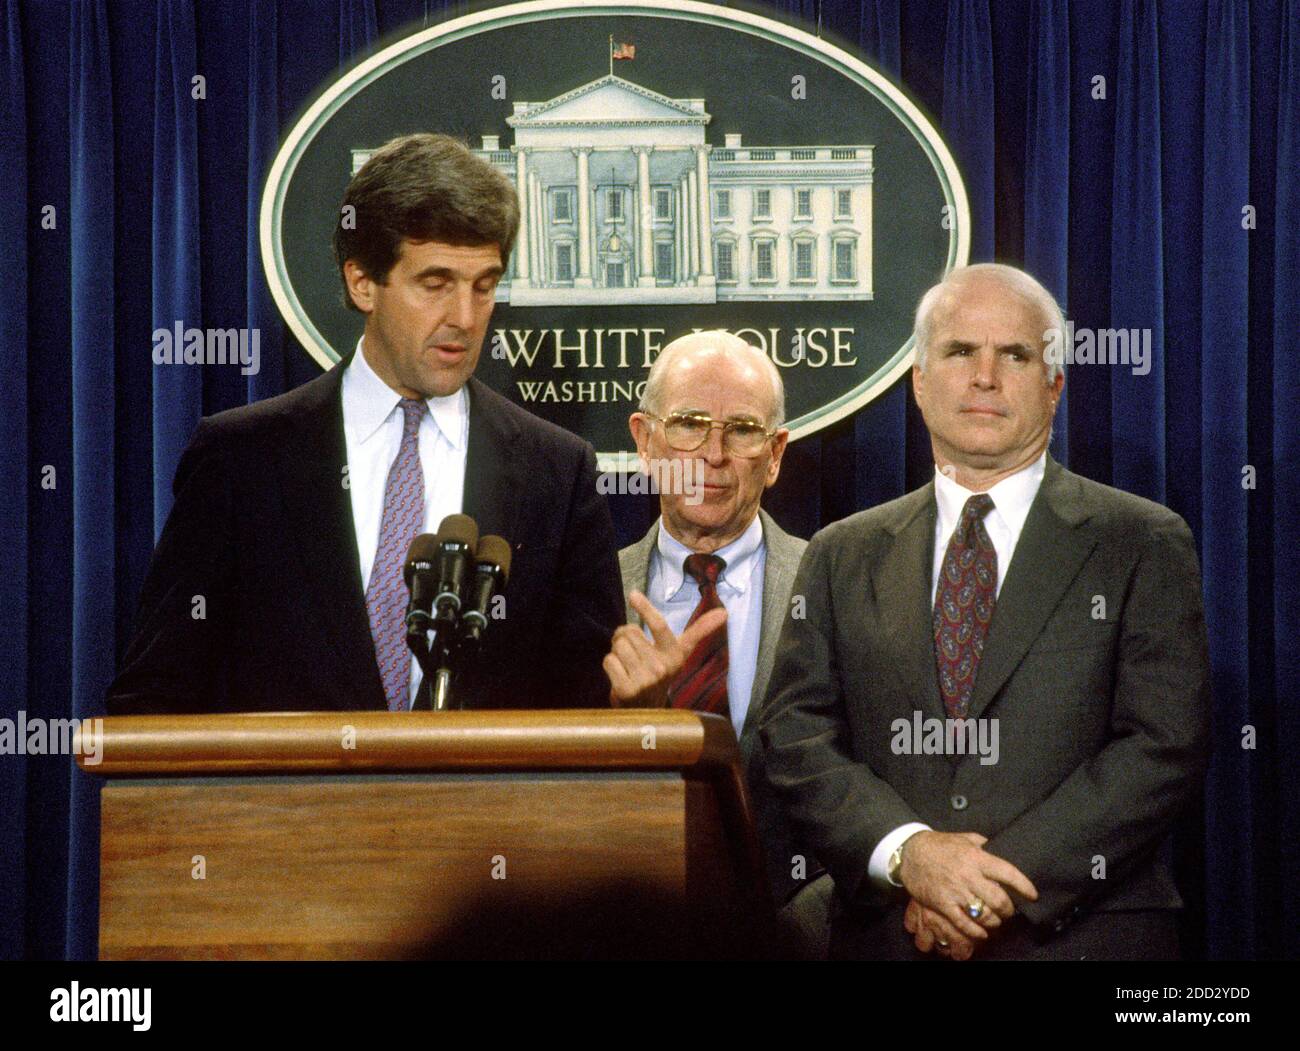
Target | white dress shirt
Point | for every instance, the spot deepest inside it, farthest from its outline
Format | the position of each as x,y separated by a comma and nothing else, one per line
740,588
372,429
1012,498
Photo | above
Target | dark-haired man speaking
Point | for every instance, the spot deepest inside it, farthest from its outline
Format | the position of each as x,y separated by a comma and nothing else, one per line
277,583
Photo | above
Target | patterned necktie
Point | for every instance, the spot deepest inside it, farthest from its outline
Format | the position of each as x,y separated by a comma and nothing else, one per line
963,605
402,519
702,682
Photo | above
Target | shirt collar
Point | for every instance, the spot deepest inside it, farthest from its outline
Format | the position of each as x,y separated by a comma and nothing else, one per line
740,556
369,401
1012,497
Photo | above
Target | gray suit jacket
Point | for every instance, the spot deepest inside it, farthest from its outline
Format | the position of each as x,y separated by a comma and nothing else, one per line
783,554
1095,667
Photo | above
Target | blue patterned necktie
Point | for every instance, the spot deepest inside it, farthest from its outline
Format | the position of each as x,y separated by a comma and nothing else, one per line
402,520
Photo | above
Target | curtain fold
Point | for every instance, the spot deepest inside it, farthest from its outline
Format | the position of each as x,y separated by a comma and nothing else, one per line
1137,258
968,113
263,140
1224,415
1285,477
1047,171
15,477
357,28
91,305
177,295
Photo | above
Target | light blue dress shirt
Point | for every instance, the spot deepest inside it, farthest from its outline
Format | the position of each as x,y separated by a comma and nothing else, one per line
675,595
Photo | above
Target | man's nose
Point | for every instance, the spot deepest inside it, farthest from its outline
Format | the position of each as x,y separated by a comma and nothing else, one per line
986,368
461,315
714,449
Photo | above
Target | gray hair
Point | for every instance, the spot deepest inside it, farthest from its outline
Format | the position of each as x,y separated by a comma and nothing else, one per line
1017,282
715,341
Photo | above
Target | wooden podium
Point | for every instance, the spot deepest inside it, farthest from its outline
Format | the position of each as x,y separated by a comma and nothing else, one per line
492,834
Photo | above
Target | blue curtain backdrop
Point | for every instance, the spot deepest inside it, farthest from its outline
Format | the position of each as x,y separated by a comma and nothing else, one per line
1140,157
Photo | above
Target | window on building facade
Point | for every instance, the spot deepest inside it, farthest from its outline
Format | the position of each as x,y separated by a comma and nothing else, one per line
803,261
764,260
843,204
722,204
564,262
844,261
664,260
803,204
562,206
762,204
724,258
663,204
615,207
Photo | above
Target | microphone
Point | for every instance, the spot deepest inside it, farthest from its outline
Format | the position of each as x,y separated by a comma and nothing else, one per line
491,572
457,537
419,576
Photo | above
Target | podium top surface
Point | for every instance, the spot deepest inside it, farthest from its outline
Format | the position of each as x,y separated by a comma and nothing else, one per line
369,742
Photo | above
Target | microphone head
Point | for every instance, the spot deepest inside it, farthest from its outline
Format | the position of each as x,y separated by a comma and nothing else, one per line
424,548
495,550
460,529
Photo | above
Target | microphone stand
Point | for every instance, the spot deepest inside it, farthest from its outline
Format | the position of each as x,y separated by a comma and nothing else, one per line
435,661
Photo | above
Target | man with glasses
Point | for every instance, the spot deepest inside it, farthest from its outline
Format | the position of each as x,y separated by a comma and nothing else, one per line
711,579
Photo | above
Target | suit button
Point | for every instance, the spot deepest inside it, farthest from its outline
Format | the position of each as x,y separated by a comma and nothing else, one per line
959,802
1059,926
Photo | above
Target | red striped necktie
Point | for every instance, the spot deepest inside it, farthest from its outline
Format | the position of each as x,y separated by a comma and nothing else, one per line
702,682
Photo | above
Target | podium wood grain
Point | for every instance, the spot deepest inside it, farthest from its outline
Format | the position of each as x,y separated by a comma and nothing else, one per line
434,835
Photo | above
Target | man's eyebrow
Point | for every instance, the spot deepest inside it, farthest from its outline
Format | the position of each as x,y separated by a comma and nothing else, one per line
1024,348
495,270
956,344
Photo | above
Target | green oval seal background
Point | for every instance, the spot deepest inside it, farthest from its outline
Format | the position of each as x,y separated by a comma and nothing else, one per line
744,69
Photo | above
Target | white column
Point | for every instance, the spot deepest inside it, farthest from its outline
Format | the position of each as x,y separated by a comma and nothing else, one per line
865,282
693,224
706,215
645,220
523,248
583,278
679,242
538,228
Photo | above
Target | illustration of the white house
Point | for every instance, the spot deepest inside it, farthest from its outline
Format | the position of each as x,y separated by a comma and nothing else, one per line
623,201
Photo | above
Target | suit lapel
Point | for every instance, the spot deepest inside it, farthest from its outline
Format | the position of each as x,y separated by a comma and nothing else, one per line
1047,558
635,566
902,584
319,508
780,565
493,471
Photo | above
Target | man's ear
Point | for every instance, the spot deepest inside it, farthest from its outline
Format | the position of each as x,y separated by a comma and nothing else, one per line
360,287
639,424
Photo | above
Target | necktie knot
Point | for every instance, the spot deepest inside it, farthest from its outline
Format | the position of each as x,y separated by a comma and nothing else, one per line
977,507
704,569
413,410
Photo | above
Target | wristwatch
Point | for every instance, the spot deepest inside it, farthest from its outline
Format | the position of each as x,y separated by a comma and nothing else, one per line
896,862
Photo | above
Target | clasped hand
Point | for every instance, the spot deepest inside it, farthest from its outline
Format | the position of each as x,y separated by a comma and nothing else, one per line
944,872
